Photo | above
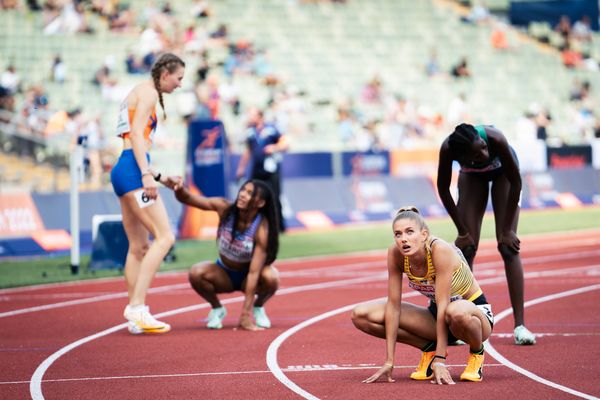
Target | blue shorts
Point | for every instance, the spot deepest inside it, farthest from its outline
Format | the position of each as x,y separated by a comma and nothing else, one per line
236,277
126,175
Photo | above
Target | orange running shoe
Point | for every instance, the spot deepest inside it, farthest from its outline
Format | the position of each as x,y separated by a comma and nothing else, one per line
474,369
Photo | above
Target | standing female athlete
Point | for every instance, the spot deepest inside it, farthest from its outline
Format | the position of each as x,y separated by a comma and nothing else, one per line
457,308
485,156
248,240
134,182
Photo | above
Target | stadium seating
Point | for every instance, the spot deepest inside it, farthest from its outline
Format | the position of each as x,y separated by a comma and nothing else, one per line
327,50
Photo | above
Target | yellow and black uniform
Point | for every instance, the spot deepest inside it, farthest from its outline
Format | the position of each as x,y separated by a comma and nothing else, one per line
462,280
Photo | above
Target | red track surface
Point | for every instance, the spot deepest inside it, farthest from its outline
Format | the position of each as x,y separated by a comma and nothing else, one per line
48,349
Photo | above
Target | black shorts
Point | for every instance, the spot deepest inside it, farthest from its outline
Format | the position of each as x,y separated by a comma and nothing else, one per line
481,303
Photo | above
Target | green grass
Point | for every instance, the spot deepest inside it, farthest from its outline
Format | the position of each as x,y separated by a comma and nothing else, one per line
298,244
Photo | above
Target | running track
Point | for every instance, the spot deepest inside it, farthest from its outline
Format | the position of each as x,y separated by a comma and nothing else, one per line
68,341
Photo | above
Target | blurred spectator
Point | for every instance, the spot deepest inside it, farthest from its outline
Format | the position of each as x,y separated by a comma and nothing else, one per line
571,58
478,14
121,19
579,90
200,9
542,121
58,70
461,70
67,18
10,80
498,37
372,91
9,4
7,100
432,68
564,27
582,30
91,137
345,124
229,94
203,68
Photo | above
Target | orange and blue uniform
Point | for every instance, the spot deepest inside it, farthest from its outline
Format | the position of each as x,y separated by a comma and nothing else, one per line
126,175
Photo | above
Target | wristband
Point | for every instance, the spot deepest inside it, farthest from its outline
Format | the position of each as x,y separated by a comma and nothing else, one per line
436,356
157,177
146,173
463,236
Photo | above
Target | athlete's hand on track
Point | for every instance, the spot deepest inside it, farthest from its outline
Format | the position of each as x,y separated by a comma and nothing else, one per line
510,240
150,188
441,374
386,369
247,324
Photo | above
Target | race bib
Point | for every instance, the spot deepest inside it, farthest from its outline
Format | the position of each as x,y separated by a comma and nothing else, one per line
143,200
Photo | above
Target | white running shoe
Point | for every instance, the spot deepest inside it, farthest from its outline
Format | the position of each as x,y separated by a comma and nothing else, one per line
260,318
133,329
523,336
141,321
215,318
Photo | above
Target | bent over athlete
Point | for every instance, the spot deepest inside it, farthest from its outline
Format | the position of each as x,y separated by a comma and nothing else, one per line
486,157
457,308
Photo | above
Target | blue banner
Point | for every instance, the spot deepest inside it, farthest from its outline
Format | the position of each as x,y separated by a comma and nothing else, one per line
366,163
207,157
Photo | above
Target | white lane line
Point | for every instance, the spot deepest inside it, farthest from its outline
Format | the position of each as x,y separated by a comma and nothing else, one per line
86,300
273,349
292,368
500,358
484,250
35,386
162,274
481,267
112,296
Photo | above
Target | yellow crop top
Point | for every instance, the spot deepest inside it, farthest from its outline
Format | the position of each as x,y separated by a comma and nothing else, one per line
462,278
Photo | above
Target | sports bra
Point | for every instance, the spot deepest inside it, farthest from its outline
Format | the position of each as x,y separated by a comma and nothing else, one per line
462,277
126,115
239,248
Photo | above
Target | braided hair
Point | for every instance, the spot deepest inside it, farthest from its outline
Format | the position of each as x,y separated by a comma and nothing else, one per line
165,62
462,138
269,212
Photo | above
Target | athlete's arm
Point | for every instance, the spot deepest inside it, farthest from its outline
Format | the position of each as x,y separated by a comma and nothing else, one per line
218,204
444,178
259,256
393,308
147,98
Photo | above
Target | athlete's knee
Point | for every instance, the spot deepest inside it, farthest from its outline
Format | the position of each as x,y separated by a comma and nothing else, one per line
359,316
196,275
269,280
167,239
506,252
138,250
456,317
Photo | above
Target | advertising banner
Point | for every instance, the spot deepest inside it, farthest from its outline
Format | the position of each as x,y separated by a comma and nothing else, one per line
206,174
18,216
